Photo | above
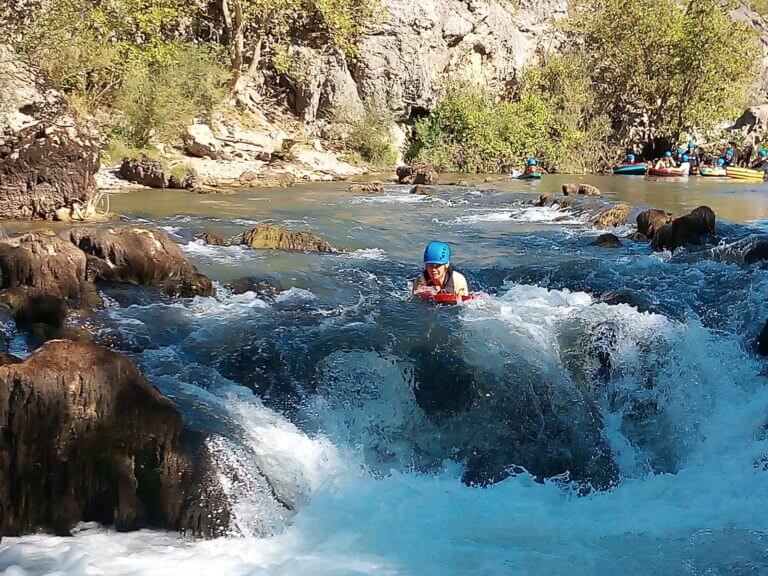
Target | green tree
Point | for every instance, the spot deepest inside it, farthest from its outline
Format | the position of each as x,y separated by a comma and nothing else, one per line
665,66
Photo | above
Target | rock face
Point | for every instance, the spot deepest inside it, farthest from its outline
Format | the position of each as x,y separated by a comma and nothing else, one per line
650,221
47,160
418,174
39,274
139,256
752,124
614,216
689,229
266,236
404,59
84,437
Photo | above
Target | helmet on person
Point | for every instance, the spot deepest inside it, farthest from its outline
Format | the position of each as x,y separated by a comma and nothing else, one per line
437,253
631,157
686,158
680,150
729,152
667,154
762,153
691,145
532,162
720,161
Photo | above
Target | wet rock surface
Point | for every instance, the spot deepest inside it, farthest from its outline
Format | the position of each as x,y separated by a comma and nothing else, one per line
615,216
139,256
607,241
650,221
84,437
366,188
267,236
689,229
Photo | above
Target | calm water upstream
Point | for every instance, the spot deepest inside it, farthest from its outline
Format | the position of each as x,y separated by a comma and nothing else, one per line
596,412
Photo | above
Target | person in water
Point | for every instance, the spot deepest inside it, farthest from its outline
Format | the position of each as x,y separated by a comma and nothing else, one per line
438,275
762,161
531,166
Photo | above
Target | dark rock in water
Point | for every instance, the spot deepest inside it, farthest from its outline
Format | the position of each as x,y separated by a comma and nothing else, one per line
761,344
757,253
259,285
424,190
570,189
638,237
269,237
213,238
418,174
48,159
84,437
367,188
543,200
650,221
607,241
144,171
39,274
462,183
689,229
139,256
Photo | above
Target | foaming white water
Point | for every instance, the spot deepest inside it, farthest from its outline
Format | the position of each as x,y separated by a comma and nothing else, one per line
705,517
396,199
368,254
227,255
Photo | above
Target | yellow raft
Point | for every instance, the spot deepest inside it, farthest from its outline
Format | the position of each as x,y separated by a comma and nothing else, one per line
745,174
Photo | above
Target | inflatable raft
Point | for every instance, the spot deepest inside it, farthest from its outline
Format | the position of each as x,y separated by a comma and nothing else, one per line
630,169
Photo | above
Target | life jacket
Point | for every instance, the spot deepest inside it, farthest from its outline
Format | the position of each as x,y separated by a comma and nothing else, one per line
448,287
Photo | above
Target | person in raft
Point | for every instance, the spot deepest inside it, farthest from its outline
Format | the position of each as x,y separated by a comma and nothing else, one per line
762,161
665,163
694,156
679,156
531,166
630,159
438,275
730,158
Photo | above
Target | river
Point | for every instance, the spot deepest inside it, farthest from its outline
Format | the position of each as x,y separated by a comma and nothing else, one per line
596,412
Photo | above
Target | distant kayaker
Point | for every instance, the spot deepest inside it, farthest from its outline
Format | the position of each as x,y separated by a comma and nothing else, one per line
438,275
762,161
531,166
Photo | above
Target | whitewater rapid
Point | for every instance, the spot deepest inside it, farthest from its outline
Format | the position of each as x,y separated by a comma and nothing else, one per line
362,482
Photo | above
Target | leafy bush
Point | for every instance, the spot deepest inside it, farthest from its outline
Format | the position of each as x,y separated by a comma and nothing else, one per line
371,137
468,132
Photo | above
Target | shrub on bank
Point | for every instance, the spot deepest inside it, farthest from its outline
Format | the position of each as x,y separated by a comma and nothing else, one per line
370,137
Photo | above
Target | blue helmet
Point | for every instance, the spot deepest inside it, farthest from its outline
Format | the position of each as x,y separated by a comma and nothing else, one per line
729,152
686,158
691,145
667,154
532,162
631,157
762,153
437,253
680,150
720,161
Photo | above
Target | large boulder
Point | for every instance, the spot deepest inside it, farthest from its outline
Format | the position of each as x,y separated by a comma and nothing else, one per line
143,256
266,236
84,437
607,241
688,229
39,274
417,174
145,171
614,216
650,221
199,140
47,158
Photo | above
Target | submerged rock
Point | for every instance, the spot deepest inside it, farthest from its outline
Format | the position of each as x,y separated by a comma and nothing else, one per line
213,238
367,188
424,190
267,236
263,286
139,256
607,241
84,437
418,174
688,229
